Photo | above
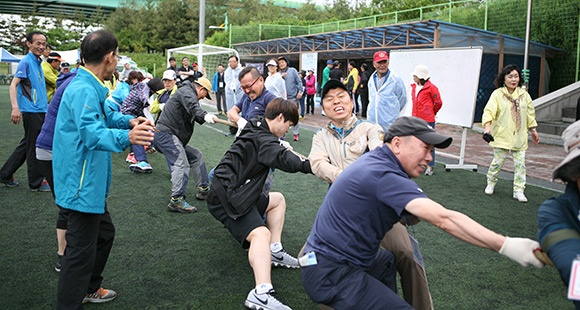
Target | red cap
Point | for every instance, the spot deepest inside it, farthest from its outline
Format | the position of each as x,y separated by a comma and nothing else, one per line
380,56
194,64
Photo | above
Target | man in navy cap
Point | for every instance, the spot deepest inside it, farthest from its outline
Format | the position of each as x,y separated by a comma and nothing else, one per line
343,266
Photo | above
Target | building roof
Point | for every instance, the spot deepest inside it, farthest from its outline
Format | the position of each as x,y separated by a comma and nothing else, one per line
362,43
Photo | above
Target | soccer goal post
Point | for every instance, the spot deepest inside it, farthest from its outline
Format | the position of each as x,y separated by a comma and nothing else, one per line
208,57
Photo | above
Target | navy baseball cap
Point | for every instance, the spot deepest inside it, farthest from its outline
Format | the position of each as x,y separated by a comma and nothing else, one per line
329,62
414,126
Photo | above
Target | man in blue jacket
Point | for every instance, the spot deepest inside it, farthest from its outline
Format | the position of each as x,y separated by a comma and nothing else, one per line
86,132
29,104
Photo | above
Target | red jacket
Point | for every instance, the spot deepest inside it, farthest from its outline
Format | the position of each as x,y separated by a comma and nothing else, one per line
427,102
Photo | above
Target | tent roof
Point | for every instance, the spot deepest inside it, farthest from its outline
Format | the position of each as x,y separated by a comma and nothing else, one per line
7,57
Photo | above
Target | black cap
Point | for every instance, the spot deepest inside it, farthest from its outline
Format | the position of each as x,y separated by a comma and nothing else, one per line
283,58
65,65
155,84
331,84
414,126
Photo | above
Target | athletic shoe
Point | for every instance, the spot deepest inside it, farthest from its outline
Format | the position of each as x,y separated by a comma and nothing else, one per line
220,113
44,187
10,183
131,158
301,116
229,134
266,301
100,296
283,259
429,170
57,265
141,167
202,192
178,204
489,189
519,196
150,150
296,137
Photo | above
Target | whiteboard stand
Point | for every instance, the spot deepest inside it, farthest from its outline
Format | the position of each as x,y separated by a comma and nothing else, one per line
461,165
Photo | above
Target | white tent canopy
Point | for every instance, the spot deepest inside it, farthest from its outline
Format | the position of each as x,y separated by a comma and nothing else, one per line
201,51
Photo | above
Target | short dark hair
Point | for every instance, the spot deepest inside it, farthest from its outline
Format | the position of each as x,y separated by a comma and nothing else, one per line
365,66
30,35
499,80
287,108
184,57
96,45
234,56
249,69
220,65
172,58
352,63
135,75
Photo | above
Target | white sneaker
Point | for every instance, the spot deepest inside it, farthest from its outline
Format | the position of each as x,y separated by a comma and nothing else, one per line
519,196
429,170
489,189
283,259
267,301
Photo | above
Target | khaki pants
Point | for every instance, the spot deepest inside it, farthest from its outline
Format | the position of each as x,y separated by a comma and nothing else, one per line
413,277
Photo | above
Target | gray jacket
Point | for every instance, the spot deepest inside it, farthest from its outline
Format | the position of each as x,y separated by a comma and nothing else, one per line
181,112
293,83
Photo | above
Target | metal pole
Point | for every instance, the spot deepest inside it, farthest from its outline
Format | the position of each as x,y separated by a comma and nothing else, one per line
526,71
578,51
201,33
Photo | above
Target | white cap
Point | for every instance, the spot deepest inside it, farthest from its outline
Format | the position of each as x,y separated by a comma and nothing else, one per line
169,75
421,71
272,62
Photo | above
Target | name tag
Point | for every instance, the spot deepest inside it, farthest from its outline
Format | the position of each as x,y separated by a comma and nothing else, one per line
309,259
221,84
574,285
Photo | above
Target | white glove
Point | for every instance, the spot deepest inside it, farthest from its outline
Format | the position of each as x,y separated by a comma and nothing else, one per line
208,118
241,124
286,144
161,106
521,251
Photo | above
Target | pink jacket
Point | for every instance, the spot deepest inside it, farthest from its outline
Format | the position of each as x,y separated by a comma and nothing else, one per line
310,84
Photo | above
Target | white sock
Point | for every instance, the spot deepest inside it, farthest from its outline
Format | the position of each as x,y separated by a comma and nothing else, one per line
263,288
276,247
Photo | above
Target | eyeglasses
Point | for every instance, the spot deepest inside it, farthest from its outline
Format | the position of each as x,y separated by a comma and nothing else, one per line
118,57
250,86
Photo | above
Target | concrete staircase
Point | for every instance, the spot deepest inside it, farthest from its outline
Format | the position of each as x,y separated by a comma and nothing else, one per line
556,111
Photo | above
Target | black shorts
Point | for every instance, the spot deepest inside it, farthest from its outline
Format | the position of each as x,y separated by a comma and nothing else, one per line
243,225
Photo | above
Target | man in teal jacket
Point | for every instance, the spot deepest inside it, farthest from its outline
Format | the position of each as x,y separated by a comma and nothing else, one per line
86,133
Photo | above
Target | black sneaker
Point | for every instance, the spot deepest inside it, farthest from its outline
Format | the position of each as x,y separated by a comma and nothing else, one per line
57,265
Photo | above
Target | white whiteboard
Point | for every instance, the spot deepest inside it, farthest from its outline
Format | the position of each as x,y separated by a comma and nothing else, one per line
455,71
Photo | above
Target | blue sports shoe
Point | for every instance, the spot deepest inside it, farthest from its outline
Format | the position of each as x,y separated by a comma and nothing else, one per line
10,183
44,187
141,167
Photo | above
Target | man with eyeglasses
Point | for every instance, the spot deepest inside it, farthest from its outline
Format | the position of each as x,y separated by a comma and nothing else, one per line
387,93
256,98
29,105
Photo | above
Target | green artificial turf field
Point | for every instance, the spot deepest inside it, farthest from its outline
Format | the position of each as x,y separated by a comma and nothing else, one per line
163,260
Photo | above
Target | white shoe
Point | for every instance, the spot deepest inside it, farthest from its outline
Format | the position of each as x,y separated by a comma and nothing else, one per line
283,259
267,301
429,170
489,189
519,196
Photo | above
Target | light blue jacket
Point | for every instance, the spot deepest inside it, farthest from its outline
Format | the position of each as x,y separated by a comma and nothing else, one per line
386,103
31,91
86,133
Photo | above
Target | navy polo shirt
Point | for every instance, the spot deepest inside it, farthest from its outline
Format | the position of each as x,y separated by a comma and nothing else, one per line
257,107
362,204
